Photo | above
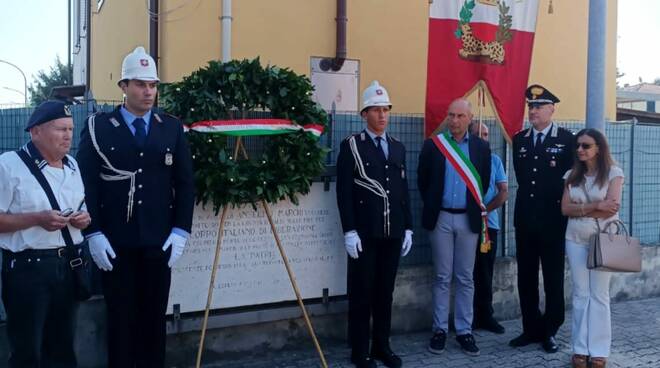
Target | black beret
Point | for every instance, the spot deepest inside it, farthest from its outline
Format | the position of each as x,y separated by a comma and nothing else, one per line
538,95
47,111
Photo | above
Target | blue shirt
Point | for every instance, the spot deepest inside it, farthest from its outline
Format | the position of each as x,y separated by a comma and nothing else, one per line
497,175
383,143
455,194
129,118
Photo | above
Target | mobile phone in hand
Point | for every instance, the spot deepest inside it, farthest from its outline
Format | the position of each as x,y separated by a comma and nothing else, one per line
67,212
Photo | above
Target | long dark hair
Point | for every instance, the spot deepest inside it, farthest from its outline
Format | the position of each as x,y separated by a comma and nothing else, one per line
604,160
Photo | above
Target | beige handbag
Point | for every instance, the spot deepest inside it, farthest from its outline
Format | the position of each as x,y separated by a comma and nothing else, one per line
613,251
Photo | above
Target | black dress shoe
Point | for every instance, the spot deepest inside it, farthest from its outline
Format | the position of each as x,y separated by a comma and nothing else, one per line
549,344
523,340
489,325
364,362
387,356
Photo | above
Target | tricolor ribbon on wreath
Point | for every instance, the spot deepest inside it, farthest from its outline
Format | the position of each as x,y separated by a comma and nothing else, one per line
470,177
253,127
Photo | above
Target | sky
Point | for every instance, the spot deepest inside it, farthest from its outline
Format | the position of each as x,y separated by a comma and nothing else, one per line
638,37
34,32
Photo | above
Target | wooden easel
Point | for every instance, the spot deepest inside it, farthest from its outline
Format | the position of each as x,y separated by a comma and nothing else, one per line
216,261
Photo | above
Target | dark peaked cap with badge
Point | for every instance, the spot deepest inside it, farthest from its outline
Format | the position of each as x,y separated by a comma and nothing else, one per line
537,95
47,111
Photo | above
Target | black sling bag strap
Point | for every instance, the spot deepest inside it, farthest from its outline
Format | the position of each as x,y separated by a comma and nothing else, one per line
49,192
82,283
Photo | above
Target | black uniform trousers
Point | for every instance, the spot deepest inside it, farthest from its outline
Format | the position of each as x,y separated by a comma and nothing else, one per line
483,280
37,291
136,293
534,246
370,285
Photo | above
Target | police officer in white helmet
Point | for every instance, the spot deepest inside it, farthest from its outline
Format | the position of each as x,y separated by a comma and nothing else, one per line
372,196
137,170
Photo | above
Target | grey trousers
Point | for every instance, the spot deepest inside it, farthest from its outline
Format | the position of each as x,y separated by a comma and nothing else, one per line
453,245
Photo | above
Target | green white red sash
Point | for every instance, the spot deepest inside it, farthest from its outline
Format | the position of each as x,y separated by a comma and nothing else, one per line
468,173
252,127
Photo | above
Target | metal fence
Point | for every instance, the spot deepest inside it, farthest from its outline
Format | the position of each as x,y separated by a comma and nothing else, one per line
634,146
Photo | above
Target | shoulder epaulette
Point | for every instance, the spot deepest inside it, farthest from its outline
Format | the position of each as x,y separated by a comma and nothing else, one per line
356,135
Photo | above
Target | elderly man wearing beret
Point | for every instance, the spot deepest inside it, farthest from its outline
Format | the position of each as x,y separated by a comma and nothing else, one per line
37,237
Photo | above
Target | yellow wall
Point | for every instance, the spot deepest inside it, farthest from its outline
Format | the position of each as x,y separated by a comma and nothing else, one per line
117,29
389,37
559,60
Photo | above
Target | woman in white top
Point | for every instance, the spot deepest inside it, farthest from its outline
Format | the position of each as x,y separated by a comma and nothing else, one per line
593,171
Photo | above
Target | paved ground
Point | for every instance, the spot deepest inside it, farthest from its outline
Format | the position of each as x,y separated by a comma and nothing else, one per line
636,343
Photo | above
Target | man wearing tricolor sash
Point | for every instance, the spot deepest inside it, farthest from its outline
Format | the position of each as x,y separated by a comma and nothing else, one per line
372,196
453,173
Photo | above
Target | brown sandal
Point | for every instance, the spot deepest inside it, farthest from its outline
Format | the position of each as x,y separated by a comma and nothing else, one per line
598,362
579,361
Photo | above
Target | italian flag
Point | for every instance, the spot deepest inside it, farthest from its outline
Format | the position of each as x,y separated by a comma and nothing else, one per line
252,127
475,43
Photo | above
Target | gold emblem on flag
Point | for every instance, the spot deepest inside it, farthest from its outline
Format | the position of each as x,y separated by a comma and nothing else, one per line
473,48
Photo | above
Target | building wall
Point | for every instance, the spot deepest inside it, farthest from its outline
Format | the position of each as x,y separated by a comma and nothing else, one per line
117,29
79,42
639,105
389,37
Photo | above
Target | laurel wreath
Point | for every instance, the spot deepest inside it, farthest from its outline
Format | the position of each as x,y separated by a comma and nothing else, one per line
281,166
503,33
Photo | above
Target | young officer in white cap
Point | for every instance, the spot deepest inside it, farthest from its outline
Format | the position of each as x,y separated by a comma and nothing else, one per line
372,196
137,167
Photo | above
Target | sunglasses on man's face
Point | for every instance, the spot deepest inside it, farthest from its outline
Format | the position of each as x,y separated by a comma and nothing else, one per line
584,146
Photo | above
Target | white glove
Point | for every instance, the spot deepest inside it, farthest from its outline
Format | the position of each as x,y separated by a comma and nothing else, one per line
352,243
407,243
178,243
99,248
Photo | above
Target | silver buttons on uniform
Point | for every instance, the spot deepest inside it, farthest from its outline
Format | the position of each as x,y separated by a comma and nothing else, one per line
534,169
533,182
141,154
532,195
140,202
140,186
140,170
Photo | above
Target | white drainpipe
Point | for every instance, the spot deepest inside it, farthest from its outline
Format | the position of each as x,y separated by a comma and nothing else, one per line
226,19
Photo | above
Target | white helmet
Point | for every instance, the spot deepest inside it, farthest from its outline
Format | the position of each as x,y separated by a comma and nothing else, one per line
375,95
139,65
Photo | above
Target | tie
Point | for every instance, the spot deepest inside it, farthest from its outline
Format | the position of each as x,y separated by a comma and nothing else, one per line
140,132
380,147
539,141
